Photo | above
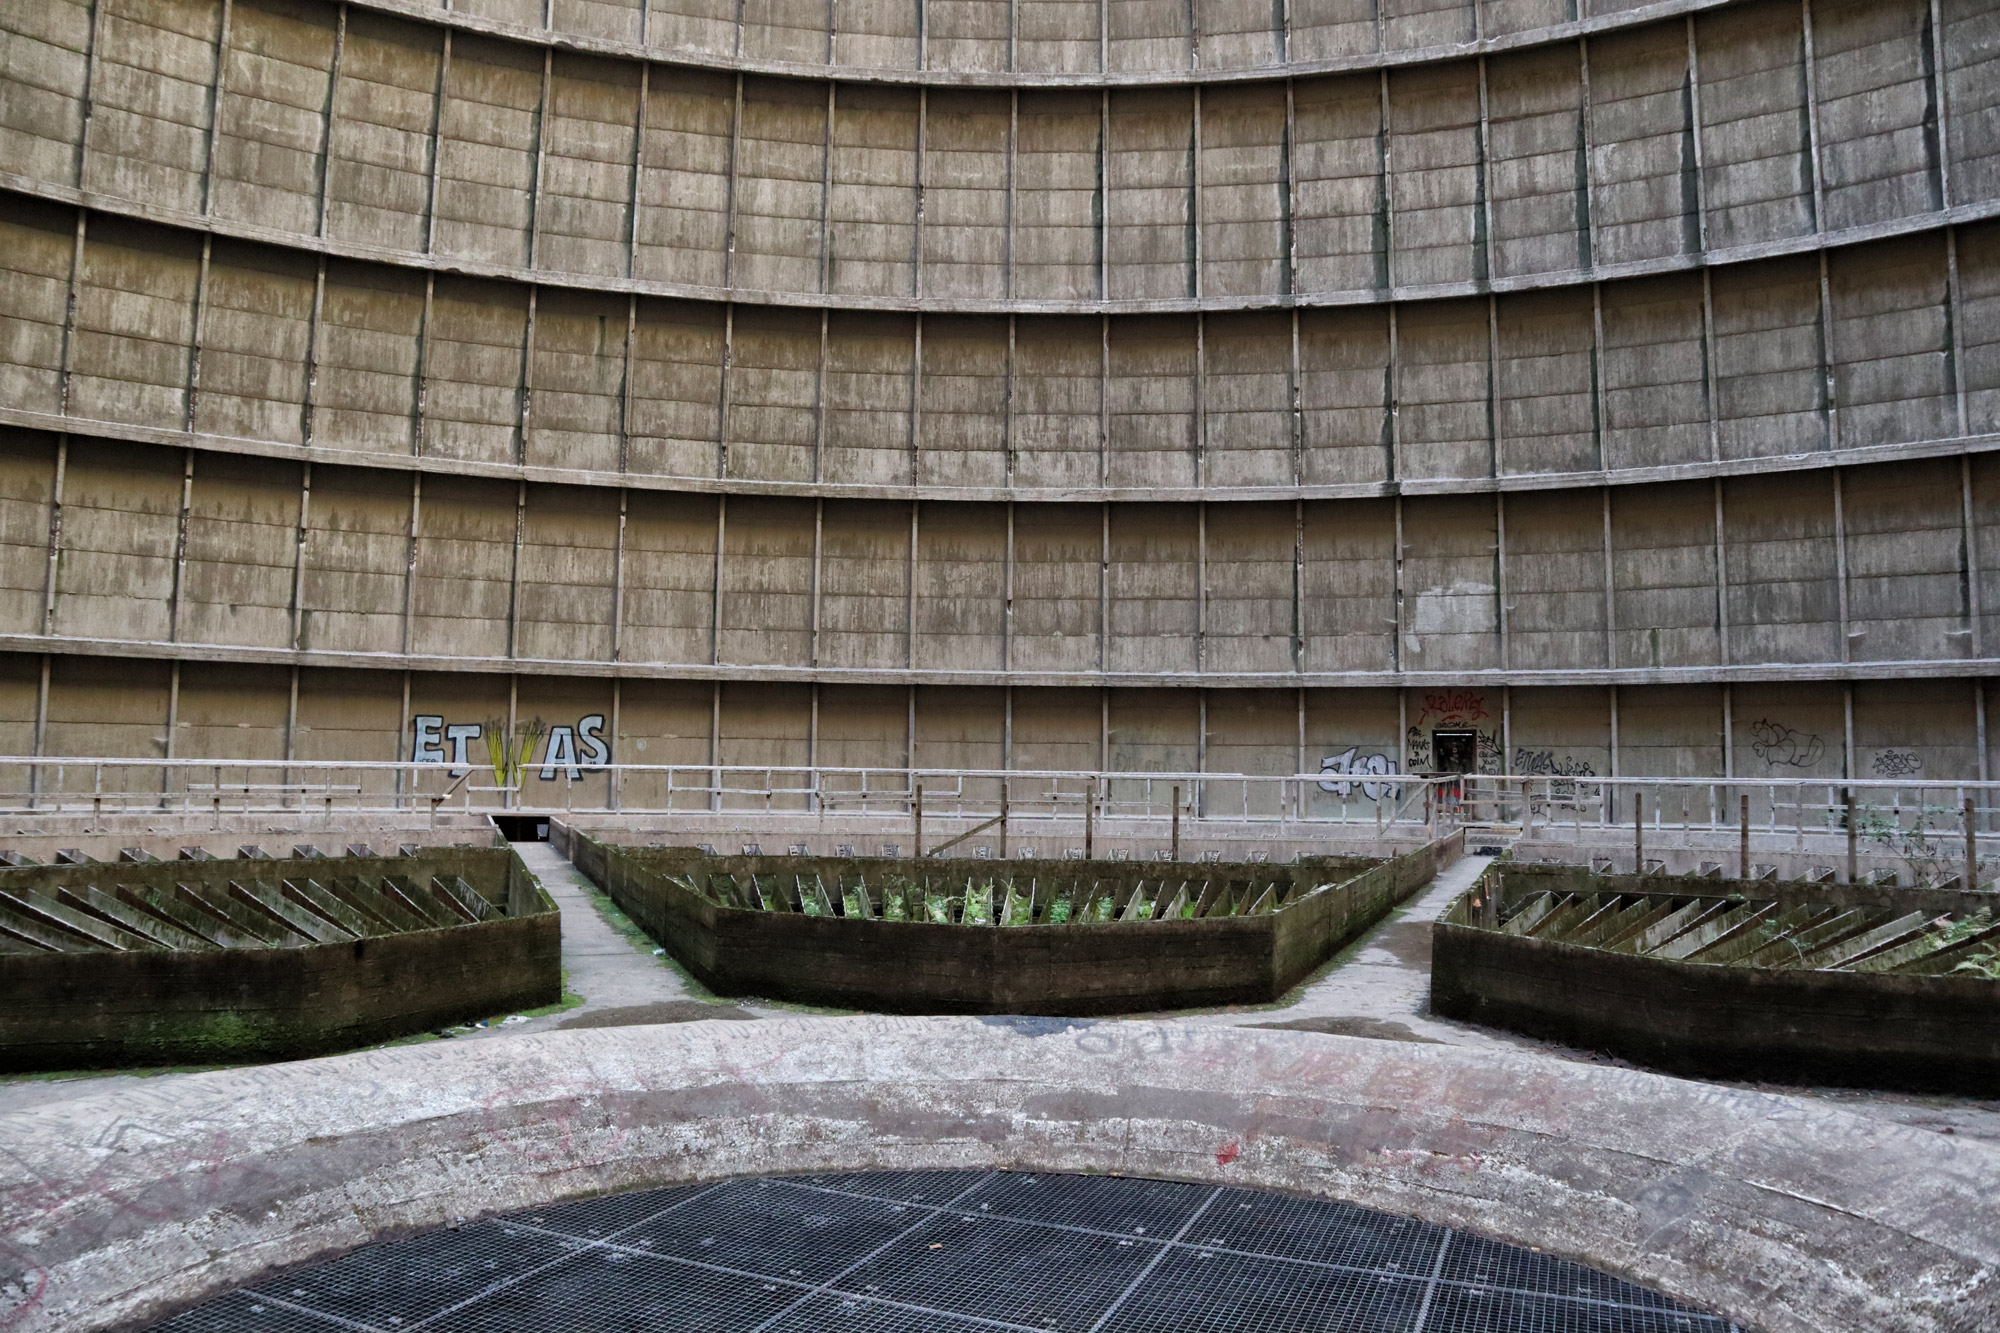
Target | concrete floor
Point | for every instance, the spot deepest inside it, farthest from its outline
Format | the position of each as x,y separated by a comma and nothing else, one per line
1379,987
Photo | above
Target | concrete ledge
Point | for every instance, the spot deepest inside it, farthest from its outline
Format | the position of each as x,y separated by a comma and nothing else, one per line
1784,1216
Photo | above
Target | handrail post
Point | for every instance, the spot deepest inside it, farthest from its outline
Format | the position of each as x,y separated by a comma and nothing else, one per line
1847,802
1090,819
1971,846
1743,857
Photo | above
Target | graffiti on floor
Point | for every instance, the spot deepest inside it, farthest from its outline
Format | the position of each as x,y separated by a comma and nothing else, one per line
1780,746
1350,764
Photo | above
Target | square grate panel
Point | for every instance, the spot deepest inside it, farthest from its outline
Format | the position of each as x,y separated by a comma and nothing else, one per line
1195,1291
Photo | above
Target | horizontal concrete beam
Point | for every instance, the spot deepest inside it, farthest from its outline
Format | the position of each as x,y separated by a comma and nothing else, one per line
1782,1215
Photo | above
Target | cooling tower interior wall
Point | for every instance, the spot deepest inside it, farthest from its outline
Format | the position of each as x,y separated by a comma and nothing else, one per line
1129,384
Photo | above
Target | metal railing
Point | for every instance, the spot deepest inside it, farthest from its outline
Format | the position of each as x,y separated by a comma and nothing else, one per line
191,787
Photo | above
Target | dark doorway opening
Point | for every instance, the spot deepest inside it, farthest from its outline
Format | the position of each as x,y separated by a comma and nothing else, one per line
523,828
1455,751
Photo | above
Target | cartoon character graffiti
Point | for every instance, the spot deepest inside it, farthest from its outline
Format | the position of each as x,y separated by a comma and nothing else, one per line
1348,765
1780,746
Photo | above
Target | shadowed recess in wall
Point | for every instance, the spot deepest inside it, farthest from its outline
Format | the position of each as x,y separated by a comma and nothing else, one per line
895,1252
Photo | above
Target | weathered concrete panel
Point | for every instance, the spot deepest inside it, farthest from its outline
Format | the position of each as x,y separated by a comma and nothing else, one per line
669,608
121,523
1350,586
964,394
1663,551
356,558
1756,148
1324,29
1148,34
255,336
784,30
370,353
1892,342
780,210
45,62
474,349
1783,600
1546,397
1151,401
1770,350
1436,189
864,576
108,708
1444,387
1340,208
150,104
232,712
242,553
869,391
577,377
1060,36
965,167
379,156
1058,565
961,588
1244,157
569,551
1645,197
271,115
1560,732
489,132
966,35
872,193
1150,245
36,245
674,426
583,217
1450,611
1345,389
771,421
1906,577
1057,389
764,586
462,583
1538,173
1669,731
1057,729
1154,611
1878,132
1654,372
1250,610
1059,199
683,216
134,331
27,485
1555,560
1247,400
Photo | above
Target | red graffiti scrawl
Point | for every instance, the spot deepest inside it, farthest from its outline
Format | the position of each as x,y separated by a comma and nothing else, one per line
1453,708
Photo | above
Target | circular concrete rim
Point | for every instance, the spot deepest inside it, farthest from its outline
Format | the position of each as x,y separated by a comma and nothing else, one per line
1782,1215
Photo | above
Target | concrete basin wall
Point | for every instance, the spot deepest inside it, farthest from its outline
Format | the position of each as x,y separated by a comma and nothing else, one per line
1865,1029
101,1009
920,967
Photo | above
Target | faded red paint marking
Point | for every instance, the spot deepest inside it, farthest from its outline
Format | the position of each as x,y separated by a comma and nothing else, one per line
1228,1153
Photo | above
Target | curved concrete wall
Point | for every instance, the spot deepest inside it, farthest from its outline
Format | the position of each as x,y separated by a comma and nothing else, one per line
1665,146
1352,377
1783,1215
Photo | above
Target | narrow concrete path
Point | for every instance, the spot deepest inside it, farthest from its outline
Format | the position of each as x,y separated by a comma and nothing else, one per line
621,978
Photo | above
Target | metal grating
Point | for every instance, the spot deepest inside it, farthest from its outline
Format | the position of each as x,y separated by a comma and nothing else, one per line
946,1252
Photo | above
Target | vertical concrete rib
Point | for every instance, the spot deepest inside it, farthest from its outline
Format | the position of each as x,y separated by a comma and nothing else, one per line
1840,565
220,74
192,387
514,570
301,549
437,134
88,100
54,564
410,571
1691,148
1500,605
181,548
421,389
1968,558
1610,588
524,398
1586,203
1940,93
618,590
819,547
327,111
315,324
735,157
635,196
1721,580
715,583
70,303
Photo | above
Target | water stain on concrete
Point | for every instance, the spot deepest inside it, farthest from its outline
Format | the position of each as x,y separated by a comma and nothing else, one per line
665,1011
